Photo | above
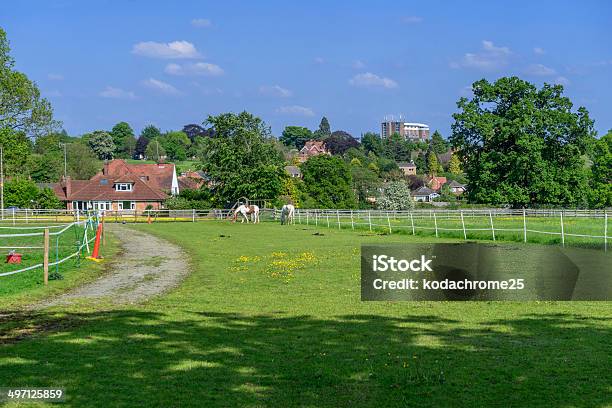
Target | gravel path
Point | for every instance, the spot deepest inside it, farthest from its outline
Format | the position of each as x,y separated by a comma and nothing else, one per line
147,267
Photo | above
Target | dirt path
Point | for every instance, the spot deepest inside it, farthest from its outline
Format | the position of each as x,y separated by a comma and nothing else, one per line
147,267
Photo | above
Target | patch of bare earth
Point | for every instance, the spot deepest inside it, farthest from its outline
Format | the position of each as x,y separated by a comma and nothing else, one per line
147,266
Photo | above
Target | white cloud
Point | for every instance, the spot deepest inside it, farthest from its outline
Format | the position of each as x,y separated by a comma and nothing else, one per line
53,94
160,86
491,57
412,20
55,77
539,51
116,93
358,64
540,70
275,90
201,22
370,80
171,50
295,110
561,80
198,68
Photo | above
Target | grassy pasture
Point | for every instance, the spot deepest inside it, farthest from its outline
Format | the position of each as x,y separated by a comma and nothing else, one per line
271,316
28,285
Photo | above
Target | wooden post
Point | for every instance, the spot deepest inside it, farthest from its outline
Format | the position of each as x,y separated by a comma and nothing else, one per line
352,222
412,223
492,227
307,220
194,214
338,217
317,218
370,219
562,231
463,225
46,257
327,217
389,223
435,223
524,226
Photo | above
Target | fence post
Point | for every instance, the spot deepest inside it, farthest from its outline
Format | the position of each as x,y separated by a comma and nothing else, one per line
317,218
412,223
327,217
562,231
338,217
46,257
307,220
435,223
370,219
299,216
524,226
605,231
463,225
492,227
389,223
193,215
352,222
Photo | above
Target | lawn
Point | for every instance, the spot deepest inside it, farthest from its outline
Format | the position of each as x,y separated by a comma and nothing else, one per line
271,316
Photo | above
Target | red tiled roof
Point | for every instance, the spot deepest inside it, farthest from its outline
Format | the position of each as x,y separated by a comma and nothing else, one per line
150,183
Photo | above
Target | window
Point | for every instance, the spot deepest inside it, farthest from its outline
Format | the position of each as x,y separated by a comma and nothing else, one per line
123,187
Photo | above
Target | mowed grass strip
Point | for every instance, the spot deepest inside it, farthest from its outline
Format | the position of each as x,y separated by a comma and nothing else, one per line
271,316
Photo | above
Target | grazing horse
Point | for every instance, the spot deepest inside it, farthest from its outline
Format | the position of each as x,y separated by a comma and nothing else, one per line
245,211
287,213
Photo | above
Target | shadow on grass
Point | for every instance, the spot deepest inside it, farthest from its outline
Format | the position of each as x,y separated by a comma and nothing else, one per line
136,358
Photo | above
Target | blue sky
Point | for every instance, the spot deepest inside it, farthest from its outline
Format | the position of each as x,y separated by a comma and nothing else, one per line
170,64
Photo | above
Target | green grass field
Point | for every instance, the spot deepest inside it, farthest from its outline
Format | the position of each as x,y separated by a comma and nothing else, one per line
271,316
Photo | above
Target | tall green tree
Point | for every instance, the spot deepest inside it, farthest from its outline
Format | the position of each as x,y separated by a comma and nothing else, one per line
150,132
601,172
124,140
295,136
155,150
241,159
324,130
328,181
522,145
454,165
176,144
101,143
22,109
372,142
82,162
17,148
433,166
438,144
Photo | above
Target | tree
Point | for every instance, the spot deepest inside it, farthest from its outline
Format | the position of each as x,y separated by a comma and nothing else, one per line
340,141
82,162
47,199
295,136
395,197
324,130
20,192
241,159
17,147
101,143
454,165
46,168
396,148
150,132
438,144
601,172
195,131
141,147
21,107
327,180
432,164
155,150
176,145
365,182
522,145
372,142
123,138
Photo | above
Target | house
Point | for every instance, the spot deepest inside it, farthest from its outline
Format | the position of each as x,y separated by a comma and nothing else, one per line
312,148
293,171
408,168
456,187
424,194
436,183
120,186
192,180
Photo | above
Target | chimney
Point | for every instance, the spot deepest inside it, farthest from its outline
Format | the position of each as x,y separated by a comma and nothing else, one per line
106,168
68,186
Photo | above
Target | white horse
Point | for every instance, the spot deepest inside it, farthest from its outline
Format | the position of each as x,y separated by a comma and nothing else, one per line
287,213
245,211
